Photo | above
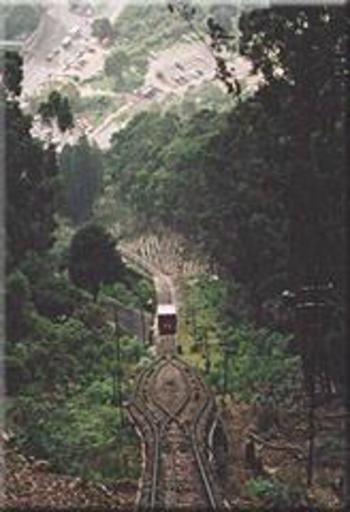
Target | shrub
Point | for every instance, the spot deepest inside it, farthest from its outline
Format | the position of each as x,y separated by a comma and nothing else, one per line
92,315
17,374
261,363
93,259
275,494
35,267
18,306
56,297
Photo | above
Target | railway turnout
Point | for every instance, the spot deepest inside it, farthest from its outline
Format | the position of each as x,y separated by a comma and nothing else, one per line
173,411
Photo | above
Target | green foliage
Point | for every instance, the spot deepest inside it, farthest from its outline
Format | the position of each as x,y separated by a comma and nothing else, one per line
145,292
127,74
81,435
135,26
311,86
92,315
31,173
136,39
275,494
65,116
74,425
19,19
18,305
135,291
81,170
102,29
36,267
205,299
115,62
93,259
207,96
57,107
132,350
15,366
55,297
71,362
13,72
96,107
261,365
256,189
137,296
258,363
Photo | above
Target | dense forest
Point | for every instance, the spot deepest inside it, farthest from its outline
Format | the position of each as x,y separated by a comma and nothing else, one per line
258,190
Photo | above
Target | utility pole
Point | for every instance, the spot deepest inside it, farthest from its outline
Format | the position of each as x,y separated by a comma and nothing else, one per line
225,369
227,351
117,391
207,355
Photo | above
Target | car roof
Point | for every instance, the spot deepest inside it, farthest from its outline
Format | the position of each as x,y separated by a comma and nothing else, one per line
166,309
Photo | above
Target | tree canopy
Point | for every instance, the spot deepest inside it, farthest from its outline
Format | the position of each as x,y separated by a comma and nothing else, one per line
93,259
260,190
81,170
57,108
20,18
31,172
102,29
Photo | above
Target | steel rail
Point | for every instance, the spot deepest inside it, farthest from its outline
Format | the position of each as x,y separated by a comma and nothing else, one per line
204,473
150,419
193,434
149,373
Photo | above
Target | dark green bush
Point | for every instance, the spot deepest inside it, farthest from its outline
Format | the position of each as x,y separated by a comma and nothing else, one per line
275,494
56,297
18,305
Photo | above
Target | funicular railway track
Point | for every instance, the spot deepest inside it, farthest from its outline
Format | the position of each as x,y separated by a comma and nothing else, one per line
174,425
173,412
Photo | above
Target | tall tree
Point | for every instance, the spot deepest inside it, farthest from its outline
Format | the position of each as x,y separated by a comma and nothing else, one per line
57,108
93,259
12,73
81,172
304,48
31,174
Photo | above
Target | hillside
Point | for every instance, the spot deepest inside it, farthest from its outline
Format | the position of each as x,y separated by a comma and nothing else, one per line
30,485
224,203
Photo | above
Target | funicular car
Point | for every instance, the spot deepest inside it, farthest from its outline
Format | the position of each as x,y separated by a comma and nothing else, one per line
166,319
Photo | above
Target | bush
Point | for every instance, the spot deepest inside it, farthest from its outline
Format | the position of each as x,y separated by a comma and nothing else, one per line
78,435
93,259
132,349
36,267
92,315
20,19
261,363
18,306
275,494
56,297
17,374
